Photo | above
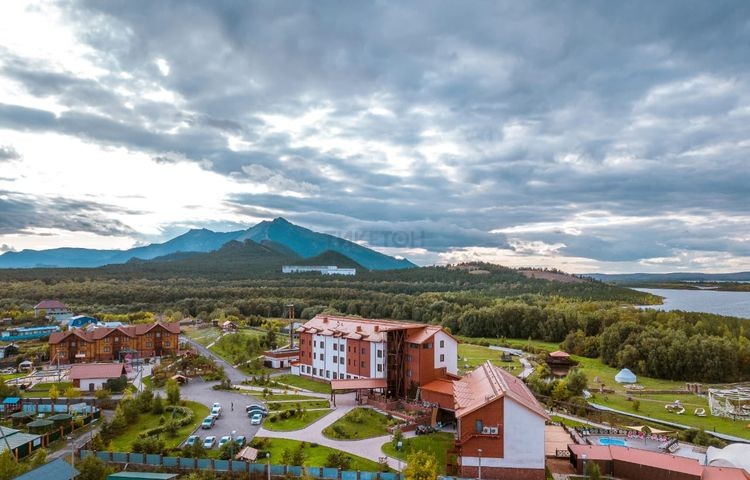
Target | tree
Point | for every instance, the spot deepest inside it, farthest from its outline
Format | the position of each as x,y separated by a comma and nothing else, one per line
92,468
103,395
560,392
592,471
421,466
9,468
71,392
398,436
39,458
173,391
576,381
53,393
157,407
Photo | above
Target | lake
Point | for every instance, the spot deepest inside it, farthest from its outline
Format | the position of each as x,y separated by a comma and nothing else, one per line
734,304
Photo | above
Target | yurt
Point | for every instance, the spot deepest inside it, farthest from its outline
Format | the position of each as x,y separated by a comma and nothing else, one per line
625,376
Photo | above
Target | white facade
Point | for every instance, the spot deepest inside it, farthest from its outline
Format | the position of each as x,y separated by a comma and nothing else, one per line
324,270
446,352
330,359
523,435
91,384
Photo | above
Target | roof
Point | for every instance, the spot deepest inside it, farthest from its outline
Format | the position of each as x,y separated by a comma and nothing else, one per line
486,384
99,333
11,400
50,304
247,453
625,376
142,475
356,383
439,386
559,354
80,371
724,473
54,470
733,455
13,438
367,329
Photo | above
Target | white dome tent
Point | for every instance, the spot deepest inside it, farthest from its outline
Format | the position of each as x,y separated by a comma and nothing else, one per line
625,376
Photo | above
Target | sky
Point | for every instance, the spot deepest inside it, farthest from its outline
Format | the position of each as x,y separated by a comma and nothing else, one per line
588,136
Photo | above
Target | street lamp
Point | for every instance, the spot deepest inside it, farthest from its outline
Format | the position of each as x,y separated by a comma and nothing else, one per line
479,475
268,457
583,460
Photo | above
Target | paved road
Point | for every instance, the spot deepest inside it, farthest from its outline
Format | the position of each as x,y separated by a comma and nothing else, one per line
237,420
368,448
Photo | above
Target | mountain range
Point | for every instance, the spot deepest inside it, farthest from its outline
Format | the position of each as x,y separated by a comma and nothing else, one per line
278,239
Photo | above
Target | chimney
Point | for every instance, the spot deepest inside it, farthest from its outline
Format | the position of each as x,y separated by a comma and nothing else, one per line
325,319
359,328
377,328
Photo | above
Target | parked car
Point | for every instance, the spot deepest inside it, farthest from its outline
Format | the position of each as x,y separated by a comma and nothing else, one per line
209,442
223,440
256,419
208,422
253,409
240,440
424,429
192,440
216,411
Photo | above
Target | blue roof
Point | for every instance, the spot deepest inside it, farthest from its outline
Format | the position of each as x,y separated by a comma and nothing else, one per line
11,400
54,470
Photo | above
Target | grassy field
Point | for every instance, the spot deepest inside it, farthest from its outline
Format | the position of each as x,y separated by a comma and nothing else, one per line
520,343
41,390
11,376
303,383
123,442
315,456
297,422
309,404
436,444
288,396
471,356
652,405
358,424
204,336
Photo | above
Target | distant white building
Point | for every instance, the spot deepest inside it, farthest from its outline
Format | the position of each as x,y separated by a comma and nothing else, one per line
324,270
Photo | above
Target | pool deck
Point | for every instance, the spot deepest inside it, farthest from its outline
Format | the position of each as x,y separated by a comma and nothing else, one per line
686,450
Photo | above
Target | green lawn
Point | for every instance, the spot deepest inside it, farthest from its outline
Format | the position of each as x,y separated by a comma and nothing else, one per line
303,383
471,356
310,404
436,444
358,424
41,390
315,456
123,442
297,422
519,343
11,376
282,396
204,336
566,421
653,406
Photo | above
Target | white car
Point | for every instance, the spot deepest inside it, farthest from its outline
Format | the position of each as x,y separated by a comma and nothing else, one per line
216,411
223,440
209,442
256,419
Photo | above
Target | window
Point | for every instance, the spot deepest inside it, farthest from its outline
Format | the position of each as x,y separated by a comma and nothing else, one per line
315,356
413,345
315,371
349,349
335,346
380,367
117,339
323,357
341,360
478,425
149,344
408,373
427,346
442,343
106,349
348,376
380,354
442,357
158,334
408,358
364,351
166,344
328,374
335,359
301,341
362,364
334,376
341,347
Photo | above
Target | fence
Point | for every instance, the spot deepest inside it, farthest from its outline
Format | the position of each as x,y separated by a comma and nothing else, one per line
184,463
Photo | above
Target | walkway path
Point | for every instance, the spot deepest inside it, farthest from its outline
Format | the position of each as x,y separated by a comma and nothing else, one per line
235,376
368,448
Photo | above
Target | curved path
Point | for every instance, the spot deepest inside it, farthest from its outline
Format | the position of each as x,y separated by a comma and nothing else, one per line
368,448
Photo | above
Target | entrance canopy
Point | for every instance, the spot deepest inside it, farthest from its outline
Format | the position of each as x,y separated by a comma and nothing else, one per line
358,383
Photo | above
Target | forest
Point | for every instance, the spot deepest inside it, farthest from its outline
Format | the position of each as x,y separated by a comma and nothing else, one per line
588,317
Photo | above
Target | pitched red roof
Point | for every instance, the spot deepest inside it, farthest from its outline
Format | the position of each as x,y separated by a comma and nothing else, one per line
50,304
101,332
81,371
439,385
486,384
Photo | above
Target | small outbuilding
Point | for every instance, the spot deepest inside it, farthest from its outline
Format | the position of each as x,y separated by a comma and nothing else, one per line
54,470
625,376
93,376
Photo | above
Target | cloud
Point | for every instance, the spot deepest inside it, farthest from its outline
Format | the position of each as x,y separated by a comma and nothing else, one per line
7,153
6,248
592,135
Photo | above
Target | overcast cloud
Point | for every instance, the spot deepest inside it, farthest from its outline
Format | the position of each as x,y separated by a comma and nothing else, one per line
590,136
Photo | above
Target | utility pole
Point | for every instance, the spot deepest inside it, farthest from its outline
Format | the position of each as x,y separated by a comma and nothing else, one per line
290,315
480,464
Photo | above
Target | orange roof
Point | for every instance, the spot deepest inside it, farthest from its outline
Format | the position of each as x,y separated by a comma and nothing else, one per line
661,461
440,385
101,332
488,383
356,383
356,328
81,371
422,335
560,354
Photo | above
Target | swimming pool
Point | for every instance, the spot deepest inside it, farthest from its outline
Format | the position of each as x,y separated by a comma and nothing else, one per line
612,441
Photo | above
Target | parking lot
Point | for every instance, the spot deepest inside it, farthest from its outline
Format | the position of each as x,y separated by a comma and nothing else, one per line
237,420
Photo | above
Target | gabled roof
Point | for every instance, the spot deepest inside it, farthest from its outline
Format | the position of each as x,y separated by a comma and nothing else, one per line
128,330
54,470
421,335
50,304
488,383
367,329
81,371
440,385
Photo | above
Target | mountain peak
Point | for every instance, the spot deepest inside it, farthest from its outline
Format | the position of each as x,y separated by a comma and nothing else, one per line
281,221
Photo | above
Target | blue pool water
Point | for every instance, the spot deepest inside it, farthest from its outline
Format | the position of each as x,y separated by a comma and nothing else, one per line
612,441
